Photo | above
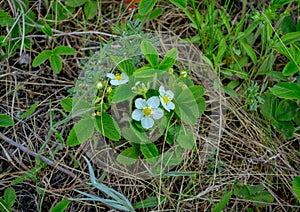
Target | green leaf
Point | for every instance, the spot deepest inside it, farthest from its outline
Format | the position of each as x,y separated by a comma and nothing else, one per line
149,202
296,186
155,13
185,104
75,3
285,127
180,3
286,110
287,25
47,30
90,9
42,57
80,132
108,127
169,59
10,196
5,19
125,65
146,6
56,63
123,92
223,202
128,156
268,108
150,53
64,50
61,206
286,90
172,158
198,91
150,152
134,135
30,111
249,50
66,104
6,121
279,3
185,138
289,38
4,206
290,68
221,50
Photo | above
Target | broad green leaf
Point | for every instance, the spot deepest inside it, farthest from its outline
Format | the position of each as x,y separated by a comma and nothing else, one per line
180,3
10,196
289,38
297,118
4,206
56,63
90,9
149,202
81,132
290,68
241,190
66,104
268,108
134,135
150,152
108,127
81,107
169,60
286,110
185,138
223,202
125,65
6,121
47,30
285,127
221,50
30,111
296,186
287,25
61,206
42,57
128,156
150,52
75,3
197,90
185,104
64,50
286,90
5,19
249,50
146,6
172,158
122,93
155,13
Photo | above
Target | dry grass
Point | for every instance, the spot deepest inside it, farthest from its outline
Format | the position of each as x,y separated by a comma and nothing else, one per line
243,145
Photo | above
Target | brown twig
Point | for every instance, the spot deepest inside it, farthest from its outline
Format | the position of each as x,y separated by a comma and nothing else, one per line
34,154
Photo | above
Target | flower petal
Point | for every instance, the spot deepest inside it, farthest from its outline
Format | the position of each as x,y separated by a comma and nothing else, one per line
140,103
124,77
164,104
147,122
110,75
170,94
157,113
114,82
137,114
161,90
171,105
153,102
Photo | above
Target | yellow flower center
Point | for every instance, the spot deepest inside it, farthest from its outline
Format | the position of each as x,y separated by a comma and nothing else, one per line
166,99
118,77
147,111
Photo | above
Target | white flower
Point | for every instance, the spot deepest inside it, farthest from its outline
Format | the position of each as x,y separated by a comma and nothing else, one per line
117,79
147,111
166,98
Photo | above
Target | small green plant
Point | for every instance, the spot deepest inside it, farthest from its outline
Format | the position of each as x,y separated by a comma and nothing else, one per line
61,206
117,201
163,105
257,193
6,121
8,200
54,57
